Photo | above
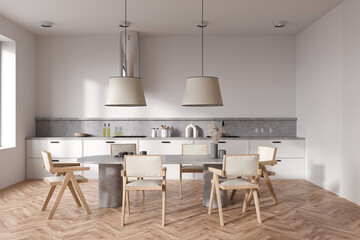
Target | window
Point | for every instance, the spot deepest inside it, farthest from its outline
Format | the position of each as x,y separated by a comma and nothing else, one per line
7,92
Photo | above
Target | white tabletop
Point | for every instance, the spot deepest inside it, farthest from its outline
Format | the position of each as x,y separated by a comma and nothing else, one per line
166,159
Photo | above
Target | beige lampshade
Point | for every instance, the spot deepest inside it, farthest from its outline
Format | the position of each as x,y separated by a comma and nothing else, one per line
125,92
202,92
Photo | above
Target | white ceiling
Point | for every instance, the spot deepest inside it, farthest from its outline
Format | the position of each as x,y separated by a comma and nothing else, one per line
245,17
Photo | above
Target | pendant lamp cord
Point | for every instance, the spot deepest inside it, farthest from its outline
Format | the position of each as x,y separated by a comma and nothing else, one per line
202,38
125,38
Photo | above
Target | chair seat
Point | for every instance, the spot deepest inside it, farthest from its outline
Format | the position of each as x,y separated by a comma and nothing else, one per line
144,183
236,183
197,168
56,180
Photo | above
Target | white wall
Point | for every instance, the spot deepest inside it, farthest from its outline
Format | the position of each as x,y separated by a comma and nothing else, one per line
257,75
327,85
351,86
12,160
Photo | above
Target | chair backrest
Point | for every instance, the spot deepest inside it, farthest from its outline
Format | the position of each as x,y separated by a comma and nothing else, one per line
47,160
194,149
143,165
267,153
241,165
116,148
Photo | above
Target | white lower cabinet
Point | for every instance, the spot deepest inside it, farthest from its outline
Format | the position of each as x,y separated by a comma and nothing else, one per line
100,147
288,168
165,147
290,152
291,156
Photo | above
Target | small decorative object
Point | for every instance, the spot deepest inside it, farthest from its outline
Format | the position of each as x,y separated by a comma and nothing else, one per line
222,152
188,130
216,134
143,153
164,131
81,134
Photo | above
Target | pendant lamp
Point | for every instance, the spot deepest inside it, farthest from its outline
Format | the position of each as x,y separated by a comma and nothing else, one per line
125,91
202,91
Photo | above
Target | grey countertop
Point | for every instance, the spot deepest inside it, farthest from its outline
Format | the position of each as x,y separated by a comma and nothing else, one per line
169,138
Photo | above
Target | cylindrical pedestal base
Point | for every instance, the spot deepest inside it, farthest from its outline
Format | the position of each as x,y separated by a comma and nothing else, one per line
207,176
110,185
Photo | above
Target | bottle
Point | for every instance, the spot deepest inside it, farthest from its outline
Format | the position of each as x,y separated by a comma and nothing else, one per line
153,133
116,133
158,132
108,130
104,130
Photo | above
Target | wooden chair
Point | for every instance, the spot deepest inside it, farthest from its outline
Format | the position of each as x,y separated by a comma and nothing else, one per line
64,176
149,166
236,166
267,156
116,148
192,149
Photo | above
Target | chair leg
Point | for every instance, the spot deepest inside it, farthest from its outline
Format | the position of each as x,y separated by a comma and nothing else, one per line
268,183
245,204
79,192
73,193
218,197
250,197
212,195
233,194
127,195
59,196
143,190
51,191
180,181
257,206
163,205
123,208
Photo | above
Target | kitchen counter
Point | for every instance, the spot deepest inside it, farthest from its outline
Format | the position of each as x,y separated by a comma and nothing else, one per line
169,138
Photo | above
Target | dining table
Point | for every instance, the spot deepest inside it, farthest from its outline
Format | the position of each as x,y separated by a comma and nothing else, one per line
111,183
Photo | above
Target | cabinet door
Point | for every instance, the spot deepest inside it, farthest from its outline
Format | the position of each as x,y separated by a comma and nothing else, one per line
231,146
34,169
285,148
58,148
102,147
165,147
288,169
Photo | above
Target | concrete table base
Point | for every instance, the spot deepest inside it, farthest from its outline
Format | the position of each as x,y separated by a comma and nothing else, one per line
110,185
207,176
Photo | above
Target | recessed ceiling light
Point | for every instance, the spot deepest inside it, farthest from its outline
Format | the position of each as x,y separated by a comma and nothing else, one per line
280,24
46,24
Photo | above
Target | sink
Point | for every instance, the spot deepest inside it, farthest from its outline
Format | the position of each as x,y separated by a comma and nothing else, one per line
226,136
132,136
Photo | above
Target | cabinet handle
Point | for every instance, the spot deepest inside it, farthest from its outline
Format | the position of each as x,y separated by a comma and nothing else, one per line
276,141
165,142
55,160
110,142
54,142
221,142
278,160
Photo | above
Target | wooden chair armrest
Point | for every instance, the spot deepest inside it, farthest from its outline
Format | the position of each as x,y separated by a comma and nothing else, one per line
66,164
272,162
68,169
163,172
217,171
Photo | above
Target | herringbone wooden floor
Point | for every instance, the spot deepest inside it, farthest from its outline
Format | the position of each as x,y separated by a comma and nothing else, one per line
305,211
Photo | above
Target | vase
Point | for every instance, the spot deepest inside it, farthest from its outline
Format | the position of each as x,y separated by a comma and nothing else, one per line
214,150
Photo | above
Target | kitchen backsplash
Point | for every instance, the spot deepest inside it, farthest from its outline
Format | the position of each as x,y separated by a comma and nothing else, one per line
243,127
